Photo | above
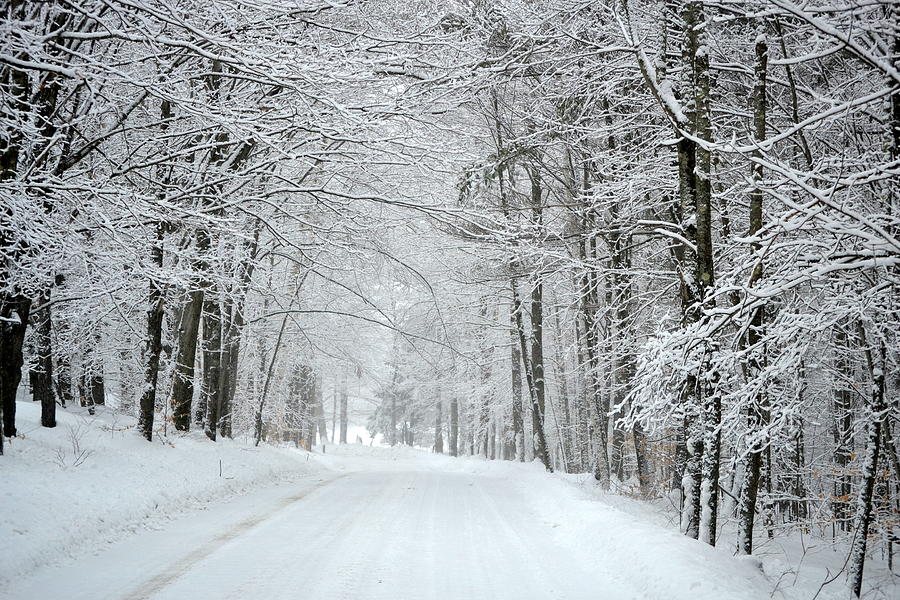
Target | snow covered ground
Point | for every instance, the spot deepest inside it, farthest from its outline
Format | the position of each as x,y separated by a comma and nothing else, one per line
92,481
139,521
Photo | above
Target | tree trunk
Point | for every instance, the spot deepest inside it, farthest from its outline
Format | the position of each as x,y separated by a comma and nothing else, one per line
517,424
708,399
538,443
308,421
97,388
300,399
63,371
537,334
588,307
454,426
42,387
624,367
320,412
758,411
864,516
211,387
316,422
155,316
843,427
484,399
691,477
229,370
292,404
258,421
153,348
564,428
343,409
14,311
183,383
334,413
439,425
92,384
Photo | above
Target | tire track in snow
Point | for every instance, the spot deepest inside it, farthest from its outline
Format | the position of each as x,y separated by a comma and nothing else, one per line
185,563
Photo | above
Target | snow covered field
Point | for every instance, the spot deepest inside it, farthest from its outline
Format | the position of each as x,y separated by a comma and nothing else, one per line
136,521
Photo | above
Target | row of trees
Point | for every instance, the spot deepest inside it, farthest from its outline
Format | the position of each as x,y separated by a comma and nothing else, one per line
686,217
186,190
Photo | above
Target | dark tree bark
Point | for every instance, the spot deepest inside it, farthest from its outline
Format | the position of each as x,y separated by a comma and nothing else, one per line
537,335
42,387
14,309
537,365
229,364
15,305
482,414
96,388
691,476
538,441
292,406
183,383
212,390
307,415
877,414
758,411
153,348
582,407
155,309
320,416
624,358
708,396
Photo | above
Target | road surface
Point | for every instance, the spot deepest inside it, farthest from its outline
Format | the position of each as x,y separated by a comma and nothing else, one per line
362,535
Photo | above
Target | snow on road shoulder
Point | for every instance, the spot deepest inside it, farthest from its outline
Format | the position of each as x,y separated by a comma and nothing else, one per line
664,563
632,544
637,540
93,480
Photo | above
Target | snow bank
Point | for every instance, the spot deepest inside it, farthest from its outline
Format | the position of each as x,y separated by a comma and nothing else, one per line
641,539
626,545
93,480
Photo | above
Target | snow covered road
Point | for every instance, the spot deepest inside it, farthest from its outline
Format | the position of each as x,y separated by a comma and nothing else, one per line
383,535
388,528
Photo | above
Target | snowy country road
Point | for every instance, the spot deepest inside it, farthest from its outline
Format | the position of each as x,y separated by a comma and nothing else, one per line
382,534
403,527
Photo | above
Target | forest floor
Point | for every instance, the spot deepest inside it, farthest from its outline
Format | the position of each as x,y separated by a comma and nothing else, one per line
137,521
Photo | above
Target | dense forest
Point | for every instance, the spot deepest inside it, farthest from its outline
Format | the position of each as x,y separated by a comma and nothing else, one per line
657,241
